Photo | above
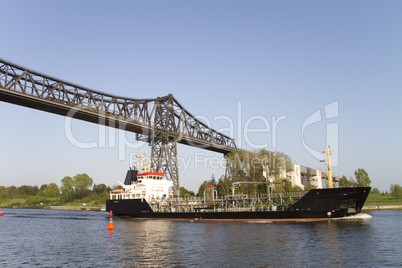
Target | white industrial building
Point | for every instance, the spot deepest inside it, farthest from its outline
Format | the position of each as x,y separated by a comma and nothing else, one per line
302,176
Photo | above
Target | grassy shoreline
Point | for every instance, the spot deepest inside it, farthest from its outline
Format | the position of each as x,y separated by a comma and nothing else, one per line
382,207
81,208
382,200
46,203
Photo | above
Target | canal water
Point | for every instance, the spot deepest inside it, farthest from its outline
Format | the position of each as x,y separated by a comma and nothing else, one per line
55,238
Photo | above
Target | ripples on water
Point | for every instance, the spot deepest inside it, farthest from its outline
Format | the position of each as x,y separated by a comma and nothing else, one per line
50,238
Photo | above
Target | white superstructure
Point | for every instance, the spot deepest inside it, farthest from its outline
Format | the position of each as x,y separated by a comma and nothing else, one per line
149,185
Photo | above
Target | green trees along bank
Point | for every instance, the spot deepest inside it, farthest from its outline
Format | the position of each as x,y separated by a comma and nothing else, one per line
361,179
253,167
76,187
74,191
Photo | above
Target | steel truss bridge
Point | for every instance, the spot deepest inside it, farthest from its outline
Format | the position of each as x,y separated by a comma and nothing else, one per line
163,122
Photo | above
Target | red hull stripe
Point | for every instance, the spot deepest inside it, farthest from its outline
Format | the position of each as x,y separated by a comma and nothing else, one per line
256,220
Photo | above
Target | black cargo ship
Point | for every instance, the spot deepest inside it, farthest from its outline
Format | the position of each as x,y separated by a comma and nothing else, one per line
141,199
148,195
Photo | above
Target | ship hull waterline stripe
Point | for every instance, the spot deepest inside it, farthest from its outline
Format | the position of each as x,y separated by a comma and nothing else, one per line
244,220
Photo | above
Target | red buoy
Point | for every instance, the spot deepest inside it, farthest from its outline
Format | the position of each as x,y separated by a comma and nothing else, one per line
110,226
1,211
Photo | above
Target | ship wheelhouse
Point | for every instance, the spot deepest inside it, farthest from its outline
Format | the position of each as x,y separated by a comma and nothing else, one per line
154,185
146,185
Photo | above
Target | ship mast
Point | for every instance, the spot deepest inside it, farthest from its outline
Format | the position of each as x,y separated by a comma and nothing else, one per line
328,152
144,166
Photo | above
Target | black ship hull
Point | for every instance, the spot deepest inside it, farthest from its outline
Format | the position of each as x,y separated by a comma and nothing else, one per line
317,204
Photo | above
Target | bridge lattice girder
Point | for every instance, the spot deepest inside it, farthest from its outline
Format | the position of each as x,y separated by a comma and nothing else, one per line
162,121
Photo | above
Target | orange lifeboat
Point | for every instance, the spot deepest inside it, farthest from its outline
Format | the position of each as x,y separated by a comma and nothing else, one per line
117,191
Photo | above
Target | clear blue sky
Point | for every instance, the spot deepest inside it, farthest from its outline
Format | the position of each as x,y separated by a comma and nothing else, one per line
271,58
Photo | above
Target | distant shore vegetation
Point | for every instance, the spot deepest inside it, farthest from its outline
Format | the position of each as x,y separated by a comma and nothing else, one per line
393,197
74,191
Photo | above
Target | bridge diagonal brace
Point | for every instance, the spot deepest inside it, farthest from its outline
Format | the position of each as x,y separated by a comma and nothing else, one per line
164,159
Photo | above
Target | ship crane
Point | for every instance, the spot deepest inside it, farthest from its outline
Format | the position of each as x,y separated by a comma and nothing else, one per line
328,152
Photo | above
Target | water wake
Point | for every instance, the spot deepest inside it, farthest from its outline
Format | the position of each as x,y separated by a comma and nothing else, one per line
357,216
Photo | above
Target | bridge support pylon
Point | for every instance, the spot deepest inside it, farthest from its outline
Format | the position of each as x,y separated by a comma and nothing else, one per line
164,147
164,159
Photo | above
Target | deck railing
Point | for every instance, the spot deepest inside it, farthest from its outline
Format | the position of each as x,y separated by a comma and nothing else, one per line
227,203
286,195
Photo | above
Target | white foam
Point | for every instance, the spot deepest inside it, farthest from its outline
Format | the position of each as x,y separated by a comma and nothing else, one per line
357,216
